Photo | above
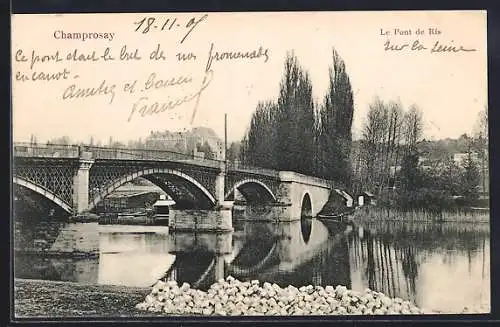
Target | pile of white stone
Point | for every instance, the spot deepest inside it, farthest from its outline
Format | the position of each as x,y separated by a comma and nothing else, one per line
231,297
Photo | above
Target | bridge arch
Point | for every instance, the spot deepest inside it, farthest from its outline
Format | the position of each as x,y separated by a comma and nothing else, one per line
43,191
306,205
243,271
248,181
143,173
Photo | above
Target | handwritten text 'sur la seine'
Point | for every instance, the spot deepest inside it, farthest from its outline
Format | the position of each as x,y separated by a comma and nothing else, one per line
437,47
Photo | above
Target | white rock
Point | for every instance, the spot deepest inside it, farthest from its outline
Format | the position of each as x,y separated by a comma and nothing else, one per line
233,297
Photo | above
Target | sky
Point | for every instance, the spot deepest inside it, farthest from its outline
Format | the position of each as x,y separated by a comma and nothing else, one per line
450,88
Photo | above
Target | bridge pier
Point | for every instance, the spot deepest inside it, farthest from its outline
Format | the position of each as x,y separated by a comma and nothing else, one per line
217,243
302,194
219,219
77,238
219,185
81,184
272,212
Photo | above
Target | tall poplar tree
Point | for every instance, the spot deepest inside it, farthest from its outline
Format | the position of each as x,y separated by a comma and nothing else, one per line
336,122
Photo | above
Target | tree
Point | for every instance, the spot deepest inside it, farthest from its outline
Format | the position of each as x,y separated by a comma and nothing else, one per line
336,116
481,125
413,128
261,137
33,139
392,146
470,178
372,142
281,133
205,148
64,140
447,177
233,152
244,149
410,173
295,119
481,146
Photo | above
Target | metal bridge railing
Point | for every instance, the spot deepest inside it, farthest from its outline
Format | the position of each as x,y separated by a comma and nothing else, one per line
26,149
74,151
22,149
145,154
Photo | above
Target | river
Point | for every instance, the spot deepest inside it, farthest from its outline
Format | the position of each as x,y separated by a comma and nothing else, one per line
441,267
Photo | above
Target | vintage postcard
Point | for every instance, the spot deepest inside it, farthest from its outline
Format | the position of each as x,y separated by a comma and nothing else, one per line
265,163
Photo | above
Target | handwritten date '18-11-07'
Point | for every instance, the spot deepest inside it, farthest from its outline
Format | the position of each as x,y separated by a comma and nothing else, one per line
147,24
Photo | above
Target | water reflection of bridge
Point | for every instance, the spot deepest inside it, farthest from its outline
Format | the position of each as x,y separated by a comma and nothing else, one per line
424,263
257,250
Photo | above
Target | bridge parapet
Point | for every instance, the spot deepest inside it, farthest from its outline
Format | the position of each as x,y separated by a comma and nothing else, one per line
22,149
290,176
26,149
148,155
246,169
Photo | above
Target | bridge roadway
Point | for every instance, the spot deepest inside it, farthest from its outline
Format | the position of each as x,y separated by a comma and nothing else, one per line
76,178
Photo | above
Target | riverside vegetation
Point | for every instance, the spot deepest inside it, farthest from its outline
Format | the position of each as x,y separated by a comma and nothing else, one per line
231,297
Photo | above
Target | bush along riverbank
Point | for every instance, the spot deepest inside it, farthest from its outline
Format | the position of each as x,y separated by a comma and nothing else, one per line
375,213
231,297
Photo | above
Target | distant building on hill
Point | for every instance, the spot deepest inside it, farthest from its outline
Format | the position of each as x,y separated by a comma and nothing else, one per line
186,142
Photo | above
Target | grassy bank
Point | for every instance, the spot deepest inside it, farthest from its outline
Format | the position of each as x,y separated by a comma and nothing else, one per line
373,213
50,299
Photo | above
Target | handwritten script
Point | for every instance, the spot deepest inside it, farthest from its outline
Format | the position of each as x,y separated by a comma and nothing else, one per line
437,47
152,94
149,24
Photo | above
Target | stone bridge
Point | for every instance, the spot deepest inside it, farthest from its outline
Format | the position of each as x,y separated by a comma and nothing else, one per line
77,178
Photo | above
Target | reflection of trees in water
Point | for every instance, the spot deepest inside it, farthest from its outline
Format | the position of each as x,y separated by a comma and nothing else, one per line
409,263
333,262
190,266
36,232
434,237
382,266
60,269
389,255
37,221
30,203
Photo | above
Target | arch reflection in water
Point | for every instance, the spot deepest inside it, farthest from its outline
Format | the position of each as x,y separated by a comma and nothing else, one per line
199,257
305,218
424,263
273,252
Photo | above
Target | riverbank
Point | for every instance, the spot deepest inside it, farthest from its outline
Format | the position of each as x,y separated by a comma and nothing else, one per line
53,299
373,213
